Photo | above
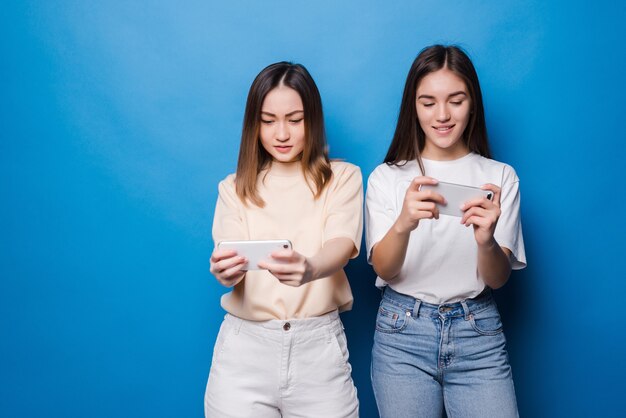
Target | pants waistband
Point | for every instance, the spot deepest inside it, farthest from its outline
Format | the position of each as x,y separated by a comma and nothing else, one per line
418,307
290,325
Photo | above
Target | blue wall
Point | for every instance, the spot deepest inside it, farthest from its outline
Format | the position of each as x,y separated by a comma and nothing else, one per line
118,118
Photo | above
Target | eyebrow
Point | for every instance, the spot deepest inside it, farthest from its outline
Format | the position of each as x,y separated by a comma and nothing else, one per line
288,114
456,93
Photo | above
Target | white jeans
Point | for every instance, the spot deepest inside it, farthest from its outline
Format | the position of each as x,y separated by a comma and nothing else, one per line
277,368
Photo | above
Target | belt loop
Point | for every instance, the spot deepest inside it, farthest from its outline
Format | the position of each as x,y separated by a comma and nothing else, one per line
416,308
466,310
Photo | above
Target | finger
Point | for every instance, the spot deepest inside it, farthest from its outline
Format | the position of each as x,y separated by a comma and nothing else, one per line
430,195
427,214
477,212
279,268
482,202
290,279
222,254
468,214
425,206
283,277
232,273
228,263
285,255
497,192
417,182
229,282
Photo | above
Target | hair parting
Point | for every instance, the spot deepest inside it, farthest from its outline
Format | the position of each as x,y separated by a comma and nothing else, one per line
252,156
409,139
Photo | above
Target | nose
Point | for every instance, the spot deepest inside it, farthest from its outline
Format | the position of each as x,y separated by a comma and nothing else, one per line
443,114
282,131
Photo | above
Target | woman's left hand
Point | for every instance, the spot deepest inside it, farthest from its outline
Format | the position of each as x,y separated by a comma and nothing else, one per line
483,215
289,267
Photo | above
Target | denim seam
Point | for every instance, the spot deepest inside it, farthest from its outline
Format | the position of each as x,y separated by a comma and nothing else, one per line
483,332
393,330
399,305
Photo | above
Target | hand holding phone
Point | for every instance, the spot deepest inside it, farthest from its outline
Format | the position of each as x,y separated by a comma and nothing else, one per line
255,251
456,195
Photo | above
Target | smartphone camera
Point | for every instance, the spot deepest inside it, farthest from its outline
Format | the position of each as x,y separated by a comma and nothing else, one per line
285,246
489,196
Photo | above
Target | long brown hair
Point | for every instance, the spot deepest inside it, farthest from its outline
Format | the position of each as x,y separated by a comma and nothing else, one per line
252,156
409,138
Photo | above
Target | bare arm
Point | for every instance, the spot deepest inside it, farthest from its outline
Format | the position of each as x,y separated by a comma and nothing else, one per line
389,253
493,261
493,264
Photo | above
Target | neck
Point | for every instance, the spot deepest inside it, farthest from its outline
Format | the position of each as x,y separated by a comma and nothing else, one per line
445,154
285,169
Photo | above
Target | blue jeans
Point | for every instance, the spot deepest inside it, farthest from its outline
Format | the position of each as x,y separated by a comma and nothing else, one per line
429,357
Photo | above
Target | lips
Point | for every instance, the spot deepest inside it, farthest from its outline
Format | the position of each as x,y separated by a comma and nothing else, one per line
283,148
443,129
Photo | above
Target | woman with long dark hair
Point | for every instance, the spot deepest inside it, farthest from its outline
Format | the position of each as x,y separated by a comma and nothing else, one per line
439,342
281,350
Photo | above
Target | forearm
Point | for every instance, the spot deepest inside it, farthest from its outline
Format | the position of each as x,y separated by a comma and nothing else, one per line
493,264
333,256
389,253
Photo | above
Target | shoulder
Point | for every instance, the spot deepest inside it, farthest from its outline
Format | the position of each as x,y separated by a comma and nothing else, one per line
340,167
507,171
385,173
345,171
227,185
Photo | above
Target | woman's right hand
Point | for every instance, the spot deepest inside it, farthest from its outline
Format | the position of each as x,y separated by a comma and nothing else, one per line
227,267
418,204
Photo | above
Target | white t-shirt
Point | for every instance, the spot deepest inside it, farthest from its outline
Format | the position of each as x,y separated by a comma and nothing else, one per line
441,264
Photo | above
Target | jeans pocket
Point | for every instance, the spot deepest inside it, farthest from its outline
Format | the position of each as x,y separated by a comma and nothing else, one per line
391,318
487,321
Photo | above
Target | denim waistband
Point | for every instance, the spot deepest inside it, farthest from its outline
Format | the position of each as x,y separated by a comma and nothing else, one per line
418,307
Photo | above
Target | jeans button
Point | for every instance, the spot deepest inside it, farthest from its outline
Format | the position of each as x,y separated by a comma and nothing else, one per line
287,326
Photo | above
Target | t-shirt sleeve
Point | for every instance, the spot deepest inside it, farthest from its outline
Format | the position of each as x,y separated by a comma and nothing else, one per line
379,210
344,213
509,229
228,222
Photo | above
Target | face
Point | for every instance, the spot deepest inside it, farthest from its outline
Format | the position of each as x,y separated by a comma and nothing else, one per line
282,124
443,110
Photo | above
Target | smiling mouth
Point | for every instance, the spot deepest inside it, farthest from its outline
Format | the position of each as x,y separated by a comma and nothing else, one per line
445,128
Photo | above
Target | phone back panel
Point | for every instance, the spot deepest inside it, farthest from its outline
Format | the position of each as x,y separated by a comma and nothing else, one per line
456,195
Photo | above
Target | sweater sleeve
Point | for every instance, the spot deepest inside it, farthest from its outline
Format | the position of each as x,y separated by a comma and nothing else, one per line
228,222
344,211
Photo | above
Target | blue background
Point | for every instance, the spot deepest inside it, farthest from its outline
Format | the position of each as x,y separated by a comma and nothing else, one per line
118,119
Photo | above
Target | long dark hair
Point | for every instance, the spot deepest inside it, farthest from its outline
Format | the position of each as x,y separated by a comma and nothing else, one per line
252,156
409,138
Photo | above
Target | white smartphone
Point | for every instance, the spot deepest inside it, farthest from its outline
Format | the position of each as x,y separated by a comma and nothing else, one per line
255,251
456,195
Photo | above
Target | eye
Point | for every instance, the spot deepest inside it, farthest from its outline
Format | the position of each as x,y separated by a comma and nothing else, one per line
428,104
267,122
296,120
457,102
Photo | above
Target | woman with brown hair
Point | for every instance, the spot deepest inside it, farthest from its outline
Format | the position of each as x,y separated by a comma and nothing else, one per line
439,341
281,350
